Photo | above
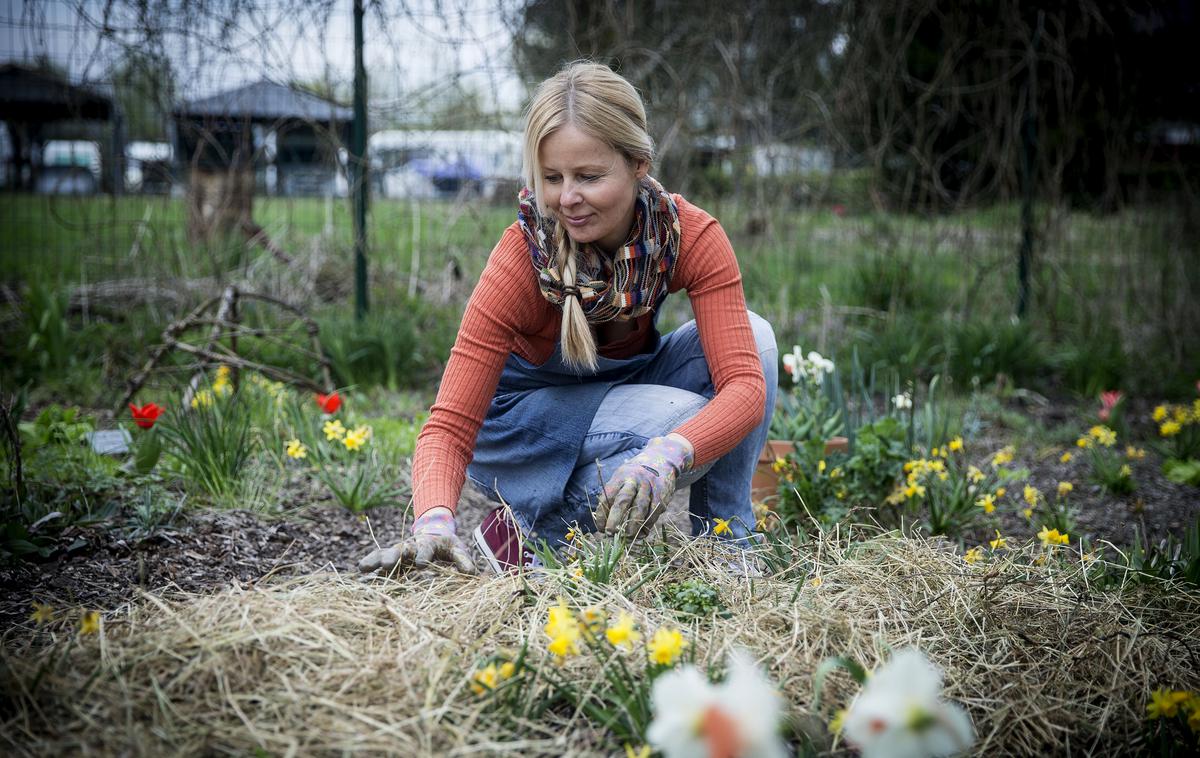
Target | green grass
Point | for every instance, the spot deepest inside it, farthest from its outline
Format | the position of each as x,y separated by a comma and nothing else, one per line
923,294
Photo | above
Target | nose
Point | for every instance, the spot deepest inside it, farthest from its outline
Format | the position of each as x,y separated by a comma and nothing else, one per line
570,194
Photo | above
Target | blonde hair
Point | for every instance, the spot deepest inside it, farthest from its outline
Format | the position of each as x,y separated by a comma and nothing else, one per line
603,105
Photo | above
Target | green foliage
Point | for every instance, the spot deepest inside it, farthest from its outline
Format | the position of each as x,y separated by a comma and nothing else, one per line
393,348
49,345
1091,363
56,426
1169,559
977,350
889,283
1183,472
694,598
878,453
361,484
211,442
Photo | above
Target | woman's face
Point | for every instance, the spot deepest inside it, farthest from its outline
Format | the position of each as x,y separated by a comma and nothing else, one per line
589,187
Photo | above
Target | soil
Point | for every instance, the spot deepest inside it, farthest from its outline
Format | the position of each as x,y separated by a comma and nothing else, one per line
203,550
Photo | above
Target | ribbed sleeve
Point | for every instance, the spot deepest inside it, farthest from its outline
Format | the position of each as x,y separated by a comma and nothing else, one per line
507,313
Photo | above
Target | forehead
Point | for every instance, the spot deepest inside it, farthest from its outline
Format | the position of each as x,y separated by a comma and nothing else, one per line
570,147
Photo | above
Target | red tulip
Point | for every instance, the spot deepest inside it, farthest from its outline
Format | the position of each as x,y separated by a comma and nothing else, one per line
329,403
146,415
839,210
1108,401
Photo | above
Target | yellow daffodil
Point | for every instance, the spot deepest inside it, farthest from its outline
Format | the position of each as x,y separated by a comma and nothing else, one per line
1031,494
1052,537
999,542
1065,457
202,399
816,581
838,720
1170,428
507,669
935,453
570,535
356,438
721,526
485,679
836,473
1064,489
1103,435
987,502
563,630
296,449
622,633
1165,703
642,752
1001,492
43,613
914,490
1134,453
1160,412
974,475
1028,512
1125,471
90,622
666,646
779,465
1005,455
1180,413
973,555
334,430
956,445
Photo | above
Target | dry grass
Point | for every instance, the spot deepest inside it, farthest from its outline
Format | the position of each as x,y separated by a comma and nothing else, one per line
326,663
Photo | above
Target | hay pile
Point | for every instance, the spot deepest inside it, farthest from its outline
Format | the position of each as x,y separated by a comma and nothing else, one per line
329,663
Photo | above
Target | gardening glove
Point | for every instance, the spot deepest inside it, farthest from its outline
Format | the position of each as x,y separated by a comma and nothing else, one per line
433,539
639,490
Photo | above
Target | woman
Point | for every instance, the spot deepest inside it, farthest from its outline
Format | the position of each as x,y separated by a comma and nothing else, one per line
560,398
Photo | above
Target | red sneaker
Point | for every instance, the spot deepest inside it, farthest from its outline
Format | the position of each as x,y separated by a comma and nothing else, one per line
501,542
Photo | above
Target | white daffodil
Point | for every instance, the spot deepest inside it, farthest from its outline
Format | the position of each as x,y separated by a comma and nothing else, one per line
738,717
792,363
818,366
903,401
900,713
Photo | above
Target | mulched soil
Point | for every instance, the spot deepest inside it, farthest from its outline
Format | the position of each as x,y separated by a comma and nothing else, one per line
203,550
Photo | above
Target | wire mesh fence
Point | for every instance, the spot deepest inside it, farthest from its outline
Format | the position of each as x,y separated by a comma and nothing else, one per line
867,159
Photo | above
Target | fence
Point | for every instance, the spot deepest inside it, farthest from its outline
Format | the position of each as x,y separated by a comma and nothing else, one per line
860,155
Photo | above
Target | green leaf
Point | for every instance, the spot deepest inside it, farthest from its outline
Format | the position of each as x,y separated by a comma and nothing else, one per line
828,665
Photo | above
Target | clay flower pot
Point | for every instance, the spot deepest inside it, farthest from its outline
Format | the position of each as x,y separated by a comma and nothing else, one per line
765,483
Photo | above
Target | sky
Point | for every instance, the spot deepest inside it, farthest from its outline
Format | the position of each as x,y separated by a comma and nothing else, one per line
416,51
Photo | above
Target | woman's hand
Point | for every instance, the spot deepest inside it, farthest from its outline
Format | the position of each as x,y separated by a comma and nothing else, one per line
433,539
638,491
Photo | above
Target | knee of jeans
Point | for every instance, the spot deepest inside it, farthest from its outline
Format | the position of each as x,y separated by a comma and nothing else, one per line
764,333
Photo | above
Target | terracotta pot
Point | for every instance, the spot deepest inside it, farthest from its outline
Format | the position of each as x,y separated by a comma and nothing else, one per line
765,483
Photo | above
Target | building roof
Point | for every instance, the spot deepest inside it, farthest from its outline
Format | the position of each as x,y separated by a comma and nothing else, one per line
266,101
37,95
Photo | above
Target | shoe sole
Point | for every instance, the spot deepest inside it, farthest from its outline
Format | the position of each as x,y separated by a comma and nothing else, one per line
481,543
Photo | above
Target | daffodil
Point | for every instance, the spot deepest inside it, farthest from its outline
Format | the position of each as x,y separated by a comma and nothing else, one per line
89,623
1052,537
1160,412
721,526
666,646
570,535
821,466
999,542
334,430
1170,428
622,633
779,465
356,438
956,445
1031,494
740,716
563,630
1064,489
642,752
974,475
485,679
1066,457
1165,703
1003,456
43,613
1027,512
296,449
816,581
987,502
202,399
973,555
900,712
1001,492
1134,453
1125,471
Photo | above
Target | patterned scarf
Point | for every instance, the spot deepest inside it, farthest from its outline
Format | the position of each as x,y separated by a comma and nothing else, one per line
624,286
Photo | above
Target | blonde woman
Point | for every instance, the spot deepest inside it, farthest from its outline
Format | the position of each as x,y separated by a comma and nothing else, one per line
560,395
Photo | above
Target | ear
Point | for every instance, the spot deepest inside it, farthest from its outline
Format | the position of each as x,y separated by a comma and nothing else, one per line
640,169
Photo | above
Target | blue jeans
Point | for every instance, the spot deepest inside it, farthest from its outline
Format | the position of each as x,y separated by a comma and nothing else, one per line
669,391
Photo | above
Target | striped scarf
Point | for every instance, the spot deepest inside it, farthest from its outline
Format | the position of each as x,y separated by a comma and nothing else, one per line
626,285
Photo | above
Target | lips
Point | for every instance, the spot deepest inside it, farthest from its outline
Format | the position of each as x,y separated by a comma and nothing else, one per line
577,220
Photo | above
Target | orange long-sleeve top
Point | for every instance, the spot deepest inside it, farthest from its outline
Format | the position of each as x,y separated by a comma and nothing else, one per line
508,314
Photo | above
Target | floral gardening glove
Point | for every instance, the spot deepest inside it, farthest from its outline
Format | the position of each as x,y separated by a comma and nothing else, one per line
638,491
433,538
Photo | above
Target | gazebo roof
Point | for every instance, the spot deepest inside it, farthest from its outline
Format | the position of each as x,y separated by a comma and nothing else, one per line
265,101
36,95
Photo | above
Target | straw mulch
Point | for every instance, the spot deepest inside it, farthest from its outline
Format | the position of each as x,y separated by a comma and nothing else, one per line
328,663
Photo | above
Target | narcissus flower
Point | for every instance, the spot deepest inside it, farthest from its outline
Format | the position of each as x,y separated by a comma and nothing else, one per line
202,399
1052,537
1125,471
1003,455
622,633
956,445
1160,412
666,646
563,630
296,449
1031,494
973,555
721,526
43,613
1103,435
1134,453
1064,489
1170,428
1066,457
334,430
903,401
145,415
356,438
987,502
999,542
900,712
329,403
1165,703
739,717
90,622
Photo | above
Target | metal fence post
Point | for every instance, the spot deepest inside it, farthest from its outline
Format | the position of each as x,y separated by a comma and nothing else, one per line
358,162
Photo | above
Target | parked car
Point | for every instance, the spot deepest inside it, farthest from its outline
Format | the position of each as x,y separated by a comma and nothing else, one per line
69,167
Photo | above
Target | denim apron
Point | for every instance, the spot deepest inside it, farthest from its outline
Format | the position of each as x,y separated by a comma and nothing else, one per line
529,443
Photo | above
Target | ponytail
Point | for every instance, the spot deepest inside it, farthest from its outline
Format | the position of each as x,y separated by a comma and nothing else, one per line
578,345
